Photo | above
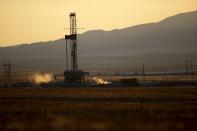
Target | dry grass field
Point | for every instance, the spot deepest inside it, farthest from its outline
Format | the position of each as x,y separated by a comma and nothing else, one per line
98,109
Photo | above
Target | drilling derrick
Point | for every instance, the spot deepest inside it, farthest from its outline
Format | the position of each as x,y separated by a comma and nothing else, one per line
73,41
72,74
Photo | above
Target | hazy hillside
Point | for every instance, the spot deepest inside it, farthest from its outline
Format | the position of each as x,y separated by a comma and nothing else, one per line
167,42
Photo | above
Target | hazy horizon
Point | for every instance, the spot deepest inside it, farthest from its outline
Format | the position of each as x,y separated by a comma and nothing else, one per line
32,21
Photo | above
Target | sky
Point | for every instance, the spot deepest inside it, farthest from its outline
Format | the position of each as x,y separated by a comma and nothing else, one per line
28,21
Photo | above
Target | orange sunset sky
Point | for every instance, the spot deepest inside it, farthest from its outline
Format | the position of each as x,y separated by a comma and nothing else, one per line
27,21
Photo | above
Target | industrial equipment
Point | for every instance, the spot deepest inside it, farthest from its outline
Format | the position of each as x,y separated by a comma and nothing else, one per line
73,74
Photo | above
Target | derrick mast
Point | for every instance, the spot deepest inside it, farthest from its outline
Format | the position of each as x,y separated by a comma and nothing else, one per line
73,74
73,41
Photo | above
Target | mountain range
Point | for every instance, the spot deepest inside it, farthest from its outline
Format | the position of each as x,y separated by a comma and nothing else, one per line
165,43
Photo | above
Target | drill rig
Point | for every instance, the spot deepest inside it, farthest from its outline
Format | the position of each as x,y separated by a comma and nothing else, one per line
73,74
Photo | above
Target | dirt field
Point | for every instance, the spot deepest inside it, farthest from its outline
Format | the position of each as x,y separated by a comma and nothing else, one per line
63,109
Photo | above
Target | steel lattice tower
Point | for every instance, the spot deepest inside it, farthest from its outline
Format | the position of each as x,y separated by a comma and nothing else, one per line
73,41
73,74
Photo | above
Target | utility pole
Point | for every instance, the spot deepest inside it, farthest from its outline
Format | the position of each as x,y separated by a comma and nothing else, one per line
7,70
143,72
189,67
186,66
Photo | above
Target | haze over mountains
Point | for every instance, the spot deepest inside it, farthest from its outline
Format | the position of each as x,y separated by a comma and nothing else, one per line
165,43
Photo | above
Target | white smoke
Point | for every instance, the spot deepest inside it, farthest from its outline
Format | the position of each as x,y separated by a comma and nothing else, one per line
42,78
100,81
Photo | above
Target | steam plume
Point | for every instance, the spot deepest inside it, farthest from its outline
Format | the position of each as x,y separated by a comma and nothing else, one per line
100,81
43,78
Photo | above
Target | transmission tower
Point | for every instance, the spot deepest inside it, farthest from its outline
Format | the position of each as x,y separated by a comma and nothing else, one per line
7,68
189,66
